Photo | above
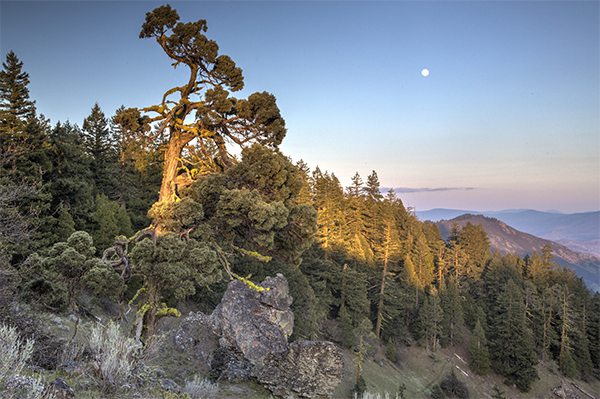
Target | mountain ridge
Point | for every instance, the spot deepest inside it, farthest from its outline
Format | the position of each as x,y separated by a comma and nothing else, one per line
577,231
508,239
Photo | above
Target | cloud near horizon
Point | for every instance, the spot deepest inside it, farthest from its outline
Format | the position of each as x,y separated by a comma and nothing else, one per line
405,190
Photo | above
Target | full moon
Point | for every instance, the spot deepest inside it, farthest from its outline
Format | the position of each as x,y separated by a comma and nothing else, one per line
425,72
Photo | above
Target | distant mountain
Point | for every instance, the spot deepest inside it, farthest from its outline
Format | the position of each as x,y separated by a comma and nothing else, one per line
578,231
507,239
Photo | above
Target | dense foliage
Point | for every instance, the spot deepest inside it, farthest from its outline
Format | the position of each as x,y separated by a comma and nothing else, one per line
362,268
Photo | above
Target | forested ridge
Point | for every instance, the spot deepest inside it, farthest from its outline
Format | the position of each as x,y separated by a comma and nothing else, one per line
80,211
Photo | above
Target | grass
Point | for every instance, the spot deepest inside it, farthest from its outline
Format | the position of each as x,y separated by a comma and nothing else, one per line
419,370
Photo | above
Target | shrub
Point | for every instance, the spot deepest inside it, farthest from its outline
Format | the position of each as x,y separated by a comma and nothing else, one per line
113,354
200,388
13,352
390,351
437,392
453,387
359,388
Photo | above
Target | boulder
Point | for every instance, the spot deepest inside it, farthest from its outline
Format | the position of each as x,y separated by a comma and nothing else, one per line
564,391
255,322
307,369
252,327
230,364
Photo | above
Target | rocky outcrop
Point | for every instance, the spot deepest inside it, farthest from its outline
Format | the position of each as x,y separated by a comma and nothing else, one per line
255,322
307,369
252,326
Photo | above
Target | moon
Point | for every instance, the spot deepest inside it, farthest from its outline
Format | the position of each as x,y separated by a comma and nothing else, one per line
425,72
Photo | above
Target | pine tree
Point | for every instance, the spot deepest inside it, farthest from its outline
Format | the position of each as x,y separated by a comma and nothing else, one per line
387,247
456,260
511,348
371,212
431,316
356,239
110,220
140,161
497,393
473,240
565,361
421,256
594,330
548,310
479,356
329,203
453,315
15,105
98,145
69,179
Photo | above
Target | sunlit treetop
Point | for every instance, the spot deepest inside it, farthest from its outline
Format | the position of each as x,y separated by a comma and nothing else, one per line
205,110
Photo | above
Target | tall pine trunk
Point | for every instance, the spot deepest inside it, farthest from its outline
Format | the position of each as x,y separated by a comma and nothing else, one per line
380,306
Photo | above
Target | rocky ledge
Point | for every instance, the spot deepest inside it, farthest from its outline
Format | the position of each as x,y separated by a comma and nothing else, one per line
252,327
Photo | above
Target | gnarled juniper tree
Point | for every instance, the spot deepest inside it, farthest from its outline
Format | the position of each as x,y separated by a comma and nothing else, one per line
222,208
204,110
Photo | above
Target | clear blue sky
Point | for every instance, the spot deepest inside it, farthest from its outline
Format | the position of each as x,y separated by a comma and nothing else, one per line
509,116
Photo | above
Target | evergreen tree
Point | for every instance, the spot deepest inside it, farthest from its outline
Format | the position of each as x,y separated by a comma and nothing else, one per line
304,197
352,286
69,179
594,330
110,220
16,226
497,393
453,315
371,211
356,240
217,117
139,172
56,280
536,272
328,201
548,310
453,387
565,361
456,260
98,145
511,344
474,242
431,315
479,355
422,259
16,108
387,247
249,211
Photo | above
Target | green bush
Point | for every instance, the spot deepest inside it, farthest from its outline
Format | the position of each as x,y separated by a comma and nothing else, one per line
437,392
359,388
453,387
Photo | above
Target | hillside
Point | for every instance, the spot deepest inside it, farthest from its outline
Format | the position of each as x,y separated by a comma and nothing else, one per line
507,239
578,231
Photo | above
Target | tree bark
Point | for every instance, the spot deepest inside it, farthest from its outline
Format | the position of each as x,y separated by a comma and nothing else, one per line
177,142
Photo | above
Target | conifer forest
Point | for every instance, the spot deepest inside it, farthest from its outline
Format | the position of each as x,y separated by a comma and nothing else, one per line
152,205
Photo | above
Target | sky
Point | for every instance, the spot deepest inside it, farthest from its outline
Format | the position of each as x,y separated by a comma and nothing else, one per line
508,117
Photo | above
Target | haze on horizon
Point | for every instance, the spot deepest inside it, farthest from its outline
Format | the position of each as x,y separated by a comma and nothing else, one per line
507,118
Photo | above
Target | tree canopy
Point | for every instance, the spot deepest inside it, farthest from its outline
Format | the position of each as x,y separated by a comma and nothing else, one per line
205,111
